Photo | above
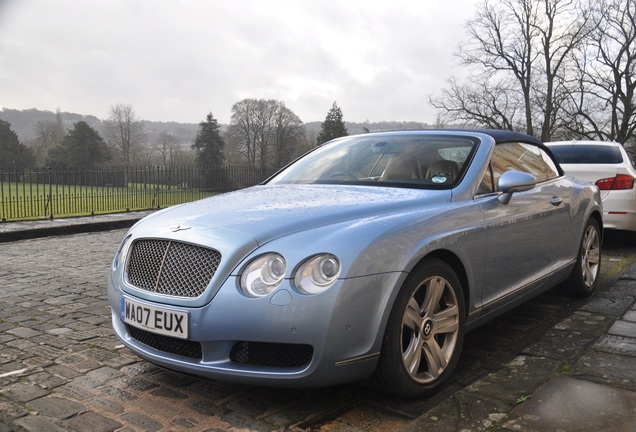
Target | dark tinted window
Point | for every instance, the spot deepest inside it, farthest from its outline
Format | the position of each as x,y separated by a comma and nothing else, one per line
587,154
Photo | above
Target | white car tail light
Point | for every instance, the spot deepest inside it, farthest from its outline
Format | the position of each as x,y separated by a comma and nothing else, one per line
620,182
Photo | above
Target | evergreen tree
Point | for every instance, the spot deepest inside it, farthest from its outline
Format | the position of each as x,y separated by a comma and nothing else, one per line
333,126
209,144
83,146
13,154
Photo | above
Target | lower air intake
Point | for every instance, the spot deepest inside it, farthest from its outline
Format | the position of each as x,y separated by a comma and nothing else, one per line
271,354
167,344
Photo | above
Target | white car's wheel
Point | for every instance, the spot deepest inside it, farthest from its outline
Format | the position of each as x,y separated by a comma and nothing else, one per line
425,332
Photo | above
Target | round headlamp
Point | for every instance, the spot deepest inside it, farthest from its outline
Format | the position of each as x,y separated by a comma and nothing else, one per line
263,275
317,274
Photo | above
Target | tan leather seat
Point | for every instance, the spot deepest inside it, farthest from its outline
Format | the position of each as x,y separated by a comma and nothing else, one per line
402,167
443,168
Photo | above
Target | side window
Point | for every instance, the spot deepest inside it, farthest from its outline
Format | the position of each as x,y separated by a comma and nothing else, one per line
486,186
551,168
522,157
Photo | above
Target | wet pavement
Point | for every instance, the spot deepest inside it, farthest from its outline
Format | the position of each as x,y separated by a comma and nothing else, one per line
553,364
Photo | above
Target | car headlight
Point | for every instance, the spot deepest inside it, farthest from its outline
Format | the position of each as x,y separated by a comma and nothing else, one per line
317,274
122,252
263,275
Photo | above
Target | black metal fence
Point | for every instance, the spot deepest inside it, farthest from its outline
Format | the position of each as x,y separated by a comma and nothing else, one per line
51,192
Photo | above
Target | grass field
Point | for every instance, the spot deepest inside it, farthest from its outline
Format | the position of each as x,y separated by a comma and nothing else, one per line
23,201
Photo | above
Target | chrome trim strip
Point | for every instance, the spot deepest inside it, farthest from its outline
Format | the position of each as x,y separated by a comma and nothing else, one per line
357,359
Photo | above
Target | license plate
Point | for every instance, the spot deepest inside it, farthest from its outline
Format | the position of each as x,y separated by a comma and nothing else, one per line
155,319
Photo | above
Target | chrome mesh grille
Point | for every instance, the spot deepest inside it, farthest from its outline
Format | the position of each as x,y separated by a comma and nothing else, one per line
172,268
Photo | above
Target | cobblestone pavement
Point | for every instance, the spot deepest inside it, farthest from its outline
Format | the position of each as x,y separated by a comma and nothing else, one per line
62,368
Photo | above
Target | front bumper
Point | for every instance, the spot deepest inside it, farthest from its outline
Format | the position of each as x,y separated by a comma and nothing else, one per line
337,335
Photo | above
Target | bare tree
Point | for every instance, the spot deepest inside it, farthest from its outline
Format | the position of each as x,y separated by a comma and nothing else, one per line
124,131
604,107
167,148
517,52
49,134
183,157
234,154
289,132
503,45
47,137
490,105
564,28
264,128
266,131
243,128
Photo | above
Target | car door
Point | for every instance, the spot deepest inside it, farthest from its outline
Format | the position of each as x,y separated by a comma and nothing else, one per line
524,238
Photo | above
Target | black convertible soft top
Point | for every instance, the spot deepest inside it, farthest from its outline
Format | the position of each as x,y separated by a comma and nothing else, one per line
502,136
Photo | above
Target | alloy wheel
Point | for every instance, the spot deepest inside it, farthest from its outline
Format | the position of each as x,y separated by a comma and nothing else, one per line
590,256
430,328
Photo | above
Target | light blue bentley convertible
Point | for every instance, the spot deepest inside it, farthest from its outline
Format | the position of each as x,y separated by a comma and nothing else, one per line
371,255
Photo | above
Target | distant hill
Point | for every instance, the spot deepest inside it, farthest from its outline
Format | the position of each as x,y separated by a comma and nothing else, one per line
24,123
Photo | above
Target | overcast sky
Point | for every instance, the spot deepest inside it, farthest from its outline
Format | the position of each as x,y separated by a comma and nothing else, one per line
178,60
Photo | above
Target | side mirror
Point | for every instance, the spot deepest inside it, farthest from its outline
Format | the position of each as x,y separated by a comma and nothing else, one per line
514,181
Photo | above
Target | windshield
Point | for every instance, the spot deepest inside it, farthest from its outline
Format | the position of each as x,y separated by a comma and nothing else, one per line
409,160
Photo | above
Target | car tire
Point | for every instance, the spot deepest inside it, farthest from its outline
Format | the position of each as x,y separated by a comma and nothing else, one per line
424,333
584,278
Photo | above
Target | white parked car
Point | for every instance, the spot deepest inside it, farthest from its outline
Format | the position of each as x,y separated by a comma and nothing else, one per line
608,166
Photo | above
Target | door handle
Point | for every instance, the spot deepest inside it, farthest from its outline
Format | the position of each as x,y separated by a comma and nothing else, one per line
556,201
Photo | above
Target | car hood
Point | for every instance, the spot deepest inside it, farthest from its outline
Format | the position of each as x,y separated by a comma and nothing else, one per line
268,212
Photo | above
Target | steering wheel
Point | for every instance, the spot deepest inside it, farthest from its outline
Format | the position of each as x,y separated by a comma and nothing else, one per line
343,175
